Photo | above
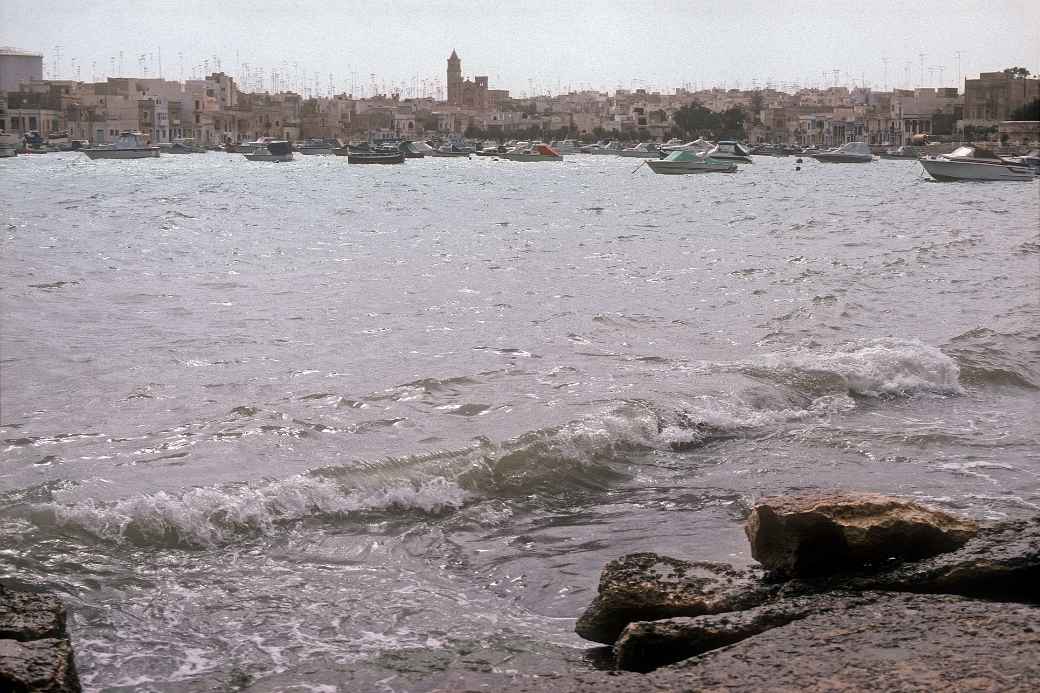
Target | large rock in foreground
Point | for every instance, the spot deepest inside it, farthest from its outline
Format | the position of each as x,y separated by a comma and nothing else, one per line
647,587
826,533
35,653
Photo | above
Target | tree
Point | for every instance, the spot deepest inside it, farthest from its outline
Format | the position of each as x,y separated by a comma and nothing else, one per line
1030,111
1016,72
732,121
757,102
694,119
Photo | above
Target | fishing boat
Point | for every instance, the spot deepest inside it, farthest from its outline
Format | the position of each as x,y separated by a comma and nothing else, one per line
731,150
184,145
317,147
643,150
770,150
128,145
492,149
609,148
538,152
363,154
848,153
904,152
566,146
683,161
274,150
975,163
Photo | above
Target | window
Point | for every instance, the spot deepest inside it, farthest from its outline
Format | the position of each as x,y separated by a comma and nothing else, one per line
32,122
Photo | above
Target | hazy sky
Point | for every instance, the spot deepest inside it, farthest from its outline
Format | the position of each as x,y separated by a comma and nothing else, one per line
540,44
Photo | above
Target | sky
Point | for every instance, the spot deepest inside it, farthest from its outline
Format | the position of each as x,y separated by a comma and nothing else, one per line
529,46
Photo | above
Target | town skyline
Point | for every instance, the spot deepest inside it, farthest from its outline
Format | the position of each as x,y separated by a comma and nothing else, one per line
598,58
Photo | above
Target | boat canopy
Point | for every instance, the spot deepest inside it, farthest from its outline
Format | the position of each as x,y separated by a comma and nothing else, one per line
860,148
735,147
972,153
685,155
279,147
546,150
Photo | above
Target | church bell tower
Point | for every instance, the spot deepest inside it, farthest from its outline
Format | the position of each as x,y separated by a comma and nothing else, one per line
454,80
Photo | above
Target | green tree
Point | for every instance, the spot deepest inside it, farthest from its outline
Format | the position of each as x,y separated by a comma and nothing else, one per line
732,121
1016,72
694,119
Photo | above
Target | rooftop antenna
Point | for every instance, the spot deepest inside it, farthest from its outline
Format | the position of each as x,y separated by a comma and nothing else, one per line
922,56
159,49
885,61
958,54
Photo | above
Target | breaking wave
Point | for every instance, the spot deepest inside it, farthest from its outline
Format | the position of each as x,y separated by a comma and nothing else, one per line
885,366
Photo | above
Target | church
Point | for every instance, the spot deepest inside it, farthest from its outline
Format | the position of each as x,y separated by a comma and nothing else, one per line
466,93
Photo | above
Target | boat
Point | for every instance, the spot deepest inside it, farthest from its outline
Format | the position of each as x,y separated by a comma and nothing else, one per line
317,146
848,153
975,163
250,147
610,148
492,149
411,150
128,145
538,152
643,150
567,146
1030,159
904,152
375,157
682,161
273,150
184,145
451,150
731,150
698,145
8,144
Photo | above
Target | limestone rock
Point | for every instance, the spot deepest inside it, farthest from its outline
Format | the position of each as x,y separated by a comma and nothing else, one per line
646,587
37,666
30,616
647,645
825,533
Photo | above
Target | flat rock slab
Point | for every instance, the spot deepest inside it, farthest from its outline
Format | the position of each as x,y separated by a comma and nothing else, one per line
647,586
825,533
39,666
30,616
905,642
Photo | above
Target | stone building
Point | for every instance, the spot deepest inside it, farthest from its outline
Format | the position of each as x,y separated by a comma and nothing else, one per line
994,96
18,66
466,93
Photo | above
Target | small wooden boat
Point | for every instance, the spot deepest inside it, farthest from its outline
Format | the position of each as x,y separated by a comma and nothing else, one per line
358,155
128,145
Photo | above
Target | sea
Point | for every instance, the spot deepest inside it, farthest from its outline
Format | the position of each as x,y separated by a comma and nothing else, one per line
314,426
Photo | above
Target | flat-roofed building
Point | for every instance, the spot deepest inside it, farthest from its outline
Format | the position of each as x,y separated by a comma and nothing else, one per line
18,66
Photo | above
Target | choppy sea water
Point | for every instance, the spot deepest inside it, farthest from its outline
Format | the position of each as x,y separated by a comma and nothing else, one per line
264,422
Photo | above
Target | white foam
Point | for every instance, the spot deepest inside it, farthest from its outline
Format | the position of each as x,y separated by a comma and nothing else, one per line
211,516
880,366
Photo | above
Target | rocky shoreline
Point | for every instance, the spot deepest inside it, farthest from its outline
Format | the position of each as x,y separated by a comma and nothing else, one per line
855,591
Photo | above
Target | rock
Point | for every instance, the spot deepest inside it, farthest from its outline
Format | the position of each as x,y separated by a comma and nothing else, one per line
35,653
647,587
1001,562
901,642
647,645
30,616
825,533
39,666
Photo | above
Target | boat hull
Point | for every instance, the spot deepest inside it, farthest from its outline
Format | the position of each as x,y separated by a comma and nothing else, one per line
362,158
143,153
841,158
316,151
640,155
946,170
449,154
531,157
685,167
270,157
6,152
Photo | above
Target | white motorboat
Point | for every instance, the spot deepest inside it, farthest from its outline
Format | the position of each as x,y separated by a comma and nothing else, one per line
274,150
610,148
128,145
538,152
731,150
1030,159
683,161
848,153
643,150
975,163
698,146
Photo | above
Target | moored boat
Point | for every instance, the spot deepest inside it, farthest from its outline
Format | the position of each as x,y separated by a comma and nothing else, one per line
566,146
904,152
538,152
643,150
848,153
8,144
319,147
610,148
411,150
731,150
451,150
975,163
369,155
683,161
128,145
273,150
